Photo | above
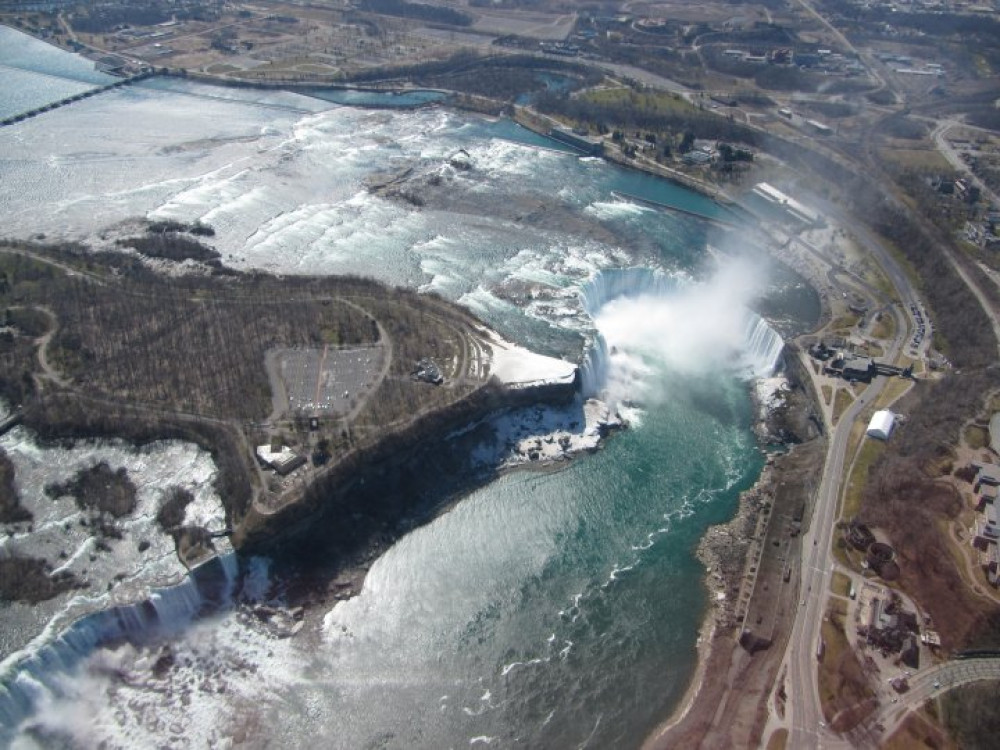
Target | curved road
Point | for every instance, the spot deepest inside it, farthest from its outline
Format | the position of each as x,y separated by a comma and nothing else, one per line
951,155
925,685
804,706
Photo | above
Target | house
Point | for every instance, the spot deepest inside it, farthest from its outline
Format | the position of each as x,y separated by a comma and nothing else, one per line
987,528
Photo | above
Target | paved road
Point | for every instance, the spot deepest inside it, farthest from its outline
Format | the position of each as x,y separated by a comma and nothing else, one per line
950,153
804,706
803,690
924,686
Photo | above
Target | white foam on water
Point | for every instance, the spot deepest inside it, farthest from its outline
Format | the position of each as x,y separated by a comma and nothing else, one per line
219,685
292,198
508,160
616,210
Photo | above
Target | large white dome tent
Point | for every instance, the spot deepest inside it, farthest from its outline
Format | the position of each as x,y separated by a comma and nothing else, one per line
881,424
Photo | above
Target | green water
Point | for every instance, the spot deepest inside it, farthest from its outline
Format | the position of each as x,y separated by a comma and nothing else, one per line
551,609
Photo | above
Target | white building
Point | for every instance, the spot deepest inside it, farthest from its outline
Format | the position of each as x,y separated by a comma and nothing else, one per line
280,458
791,206
881,424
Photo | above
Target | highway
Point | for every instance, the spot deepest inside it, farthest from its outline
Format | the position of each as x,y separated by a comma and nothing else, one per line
804,707
807,728
807,725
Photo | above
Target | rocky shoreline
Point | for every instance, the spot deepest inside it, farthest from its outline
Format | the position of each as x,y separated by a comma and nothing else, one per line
730,553
530,437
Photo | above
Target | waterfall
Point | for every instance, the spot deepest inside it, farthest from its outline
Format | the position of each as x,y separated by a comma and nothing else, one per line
758,344
594,368
763,347
613,283
209,587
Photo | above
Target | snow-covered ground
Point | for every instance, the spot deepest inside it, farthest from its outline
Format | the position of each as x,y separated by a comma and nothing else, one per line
517,367
107,569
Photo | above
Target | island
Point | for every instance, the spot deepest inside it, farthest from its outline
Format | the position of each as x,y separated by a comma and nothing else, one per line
317,398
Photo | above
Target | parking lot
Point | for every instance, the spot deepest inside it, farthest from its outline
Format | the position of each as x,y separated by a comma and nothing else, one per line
328,381
918,317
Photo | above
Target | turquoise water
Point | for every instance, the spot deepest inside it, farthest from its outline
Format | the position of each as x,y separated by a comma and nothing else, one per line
387,99
549,609
546,609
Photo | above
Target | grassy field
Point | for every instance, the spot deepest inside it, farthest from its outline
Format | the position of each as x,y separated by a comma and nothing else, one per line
884,328
778,740
840,584
893,391
870,450
976,437
922,159
844,323
843,688
841,401
917,732
656,102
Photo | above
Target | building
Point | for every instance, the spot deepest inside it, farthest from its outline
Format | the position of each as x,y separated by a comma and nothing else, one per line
280,458
819,127
986,474
881,424
850,367
987,495
697,157
992,564
995,433
987,527
790,206
592,146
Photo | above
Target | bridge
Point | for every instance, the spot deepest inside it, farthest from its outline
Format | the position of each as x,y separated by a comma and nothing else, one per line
13,119
923,686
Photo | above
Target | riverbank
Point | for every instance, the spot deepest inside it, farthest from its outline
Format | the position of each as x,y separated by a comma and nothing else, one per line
542,125
742,637
752,590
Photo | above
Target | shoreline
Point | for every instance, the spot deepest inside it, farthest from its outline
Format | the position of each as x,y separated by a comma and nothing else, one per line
454,101
725,653
723,550
714,627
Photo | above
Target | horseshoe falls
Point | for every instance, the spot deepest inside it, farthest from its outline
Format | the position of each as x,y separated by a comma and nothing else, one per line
547,608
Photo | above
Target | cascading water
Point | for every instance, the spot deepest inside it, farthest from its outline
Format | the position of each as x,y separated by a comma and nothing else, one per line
758,343
594,368
614,283
25,678
764,347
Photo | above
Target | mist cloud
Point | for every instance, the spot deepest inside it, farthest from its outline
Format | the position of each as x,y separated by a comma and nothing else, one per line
693,329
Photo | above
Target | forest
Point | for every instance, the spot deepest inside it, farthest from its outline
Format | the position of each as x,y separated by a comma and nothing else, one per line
102,344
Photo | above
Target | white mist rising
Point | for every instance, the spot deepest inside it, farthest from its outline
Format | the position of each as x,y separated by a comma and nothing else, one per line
691,329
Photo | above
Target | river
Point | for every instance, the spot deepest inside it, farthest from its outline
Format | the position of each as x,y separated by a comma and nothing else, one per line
546,609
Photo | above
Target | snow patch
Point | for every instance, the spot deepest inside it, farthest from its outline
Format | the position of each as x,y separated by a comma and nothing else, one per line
518,367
